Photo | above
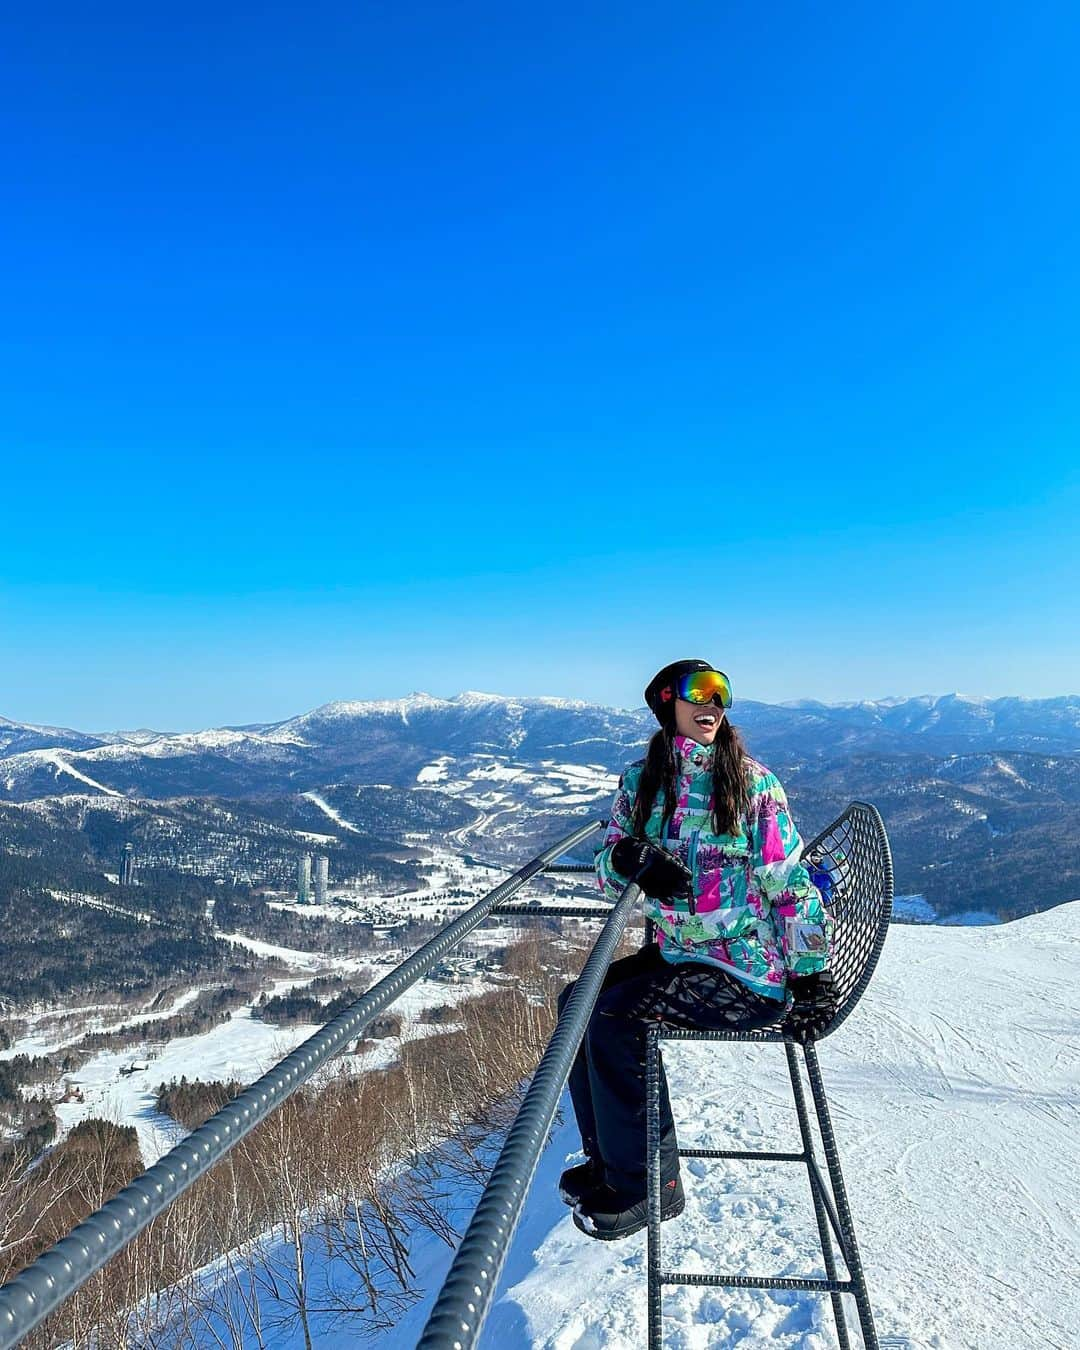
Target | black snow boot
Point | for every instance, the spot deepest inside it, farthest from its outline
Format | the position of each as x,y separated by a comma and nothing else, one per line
575,1181
606,1215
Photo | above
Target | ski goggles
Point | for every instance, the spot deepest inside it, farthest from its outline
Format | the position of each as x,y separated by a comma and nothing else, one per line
700,686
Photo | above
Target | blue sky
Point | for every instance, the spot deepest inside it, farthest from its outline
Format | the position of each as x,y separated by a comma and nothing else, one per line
355,349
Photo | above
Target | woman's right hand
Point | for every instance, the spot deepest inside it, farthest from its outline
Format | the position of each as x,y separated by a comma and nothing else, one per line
657,873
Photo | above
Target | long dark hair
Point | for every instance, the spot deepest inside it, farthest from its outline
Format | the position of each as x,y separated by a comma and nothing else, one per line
731,783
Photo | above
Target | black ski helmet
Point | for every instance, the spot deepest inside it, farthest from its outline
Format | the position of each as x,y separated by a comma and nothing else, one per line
660,692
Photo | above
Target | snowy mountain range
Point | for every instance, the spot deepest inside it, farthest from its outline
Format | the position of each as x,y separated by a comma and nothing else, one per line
390,741
976,793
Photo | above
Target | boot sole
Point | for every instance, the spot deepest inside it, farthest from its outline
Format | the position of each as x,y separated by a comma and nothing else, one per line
616,1234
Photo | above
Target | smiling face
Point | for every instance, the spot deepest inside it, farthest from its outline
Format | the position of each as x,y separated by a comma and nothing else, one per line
699,722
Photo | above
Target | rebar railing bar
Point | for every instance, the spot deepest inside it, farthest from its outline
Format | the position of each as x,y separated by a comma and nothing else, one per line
823,1206
817,1183
653,1292
741,1155
554,911
836,1177
57,1273
757,1282
463,1301
683,1034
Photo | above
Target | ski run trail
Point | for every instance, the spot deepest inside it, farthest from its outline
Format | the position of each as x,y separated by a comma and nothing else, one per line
955,1097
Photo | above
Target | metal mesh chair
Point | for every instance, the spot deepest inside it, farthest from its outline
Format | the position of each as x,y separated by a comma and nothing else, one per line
854,850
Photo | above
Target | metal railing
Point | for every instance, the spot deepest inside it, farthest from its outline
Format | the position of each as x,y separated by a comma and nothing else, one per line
59,1272
462,1305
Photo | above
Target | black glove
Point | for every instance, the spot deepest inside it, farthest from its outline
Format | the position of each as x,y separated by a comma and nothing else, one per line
656,872
816,1000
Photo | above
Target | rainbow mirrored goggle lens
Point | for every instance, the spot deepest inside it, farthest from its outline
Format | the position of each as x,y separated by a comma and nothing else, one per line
704,686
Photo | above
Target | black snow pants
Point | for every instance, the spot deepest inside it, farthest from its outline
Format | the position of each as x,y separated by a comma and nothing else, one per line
607,1080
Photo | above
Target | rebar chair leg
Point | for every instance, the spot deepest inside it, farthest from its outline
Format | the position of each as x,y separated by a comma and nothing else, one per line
836,1177
652,1173
815,1191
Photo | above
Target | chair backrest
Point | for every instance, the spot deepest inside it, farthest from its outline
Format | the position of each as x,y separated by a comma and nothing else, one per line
854,849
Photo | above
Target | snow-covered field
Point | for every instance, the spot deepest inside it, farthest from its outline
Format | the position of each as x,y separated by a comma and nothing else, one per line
242,1047
956,1102
477,779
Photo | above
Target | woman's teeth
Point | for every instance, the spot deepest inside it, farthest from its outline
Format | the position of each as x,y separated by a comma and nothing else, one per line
706,720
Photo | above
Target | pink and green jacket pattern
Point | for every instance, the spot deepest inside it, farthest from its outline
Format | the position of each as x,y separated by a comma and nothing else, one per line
759,916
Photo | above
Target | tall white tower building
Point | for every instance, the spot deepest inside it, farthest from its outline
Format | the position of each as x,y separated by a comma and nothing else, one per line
303,879
322,874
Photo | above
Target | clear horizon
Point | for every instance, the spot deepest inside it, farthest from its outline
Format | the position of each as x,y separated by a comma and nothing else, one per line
368,349
101,729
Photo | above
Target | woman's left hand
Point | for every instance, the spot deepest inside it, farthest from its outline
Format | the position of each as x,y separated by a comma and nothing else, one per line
656,872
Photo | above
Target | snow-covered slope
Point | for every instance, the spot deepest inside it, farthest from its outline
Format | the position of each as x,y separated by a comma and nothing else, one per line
956,1102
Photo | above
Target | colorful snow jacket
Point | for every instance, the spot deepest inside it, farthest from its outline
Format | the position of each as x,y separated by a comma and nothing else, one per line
759,916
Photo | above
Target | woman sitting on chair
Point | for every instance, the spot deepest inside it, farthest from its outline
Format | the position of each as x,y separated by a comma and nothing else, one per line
742,935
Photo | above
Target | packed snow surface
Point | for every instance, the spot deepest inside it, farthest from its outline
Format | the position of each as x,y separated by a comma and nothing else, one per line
955,1098
242,1047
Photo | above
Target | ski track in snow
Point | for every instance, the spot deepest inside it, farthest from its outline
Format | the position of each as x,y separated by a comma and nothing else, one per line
57,760
328,810
955,1100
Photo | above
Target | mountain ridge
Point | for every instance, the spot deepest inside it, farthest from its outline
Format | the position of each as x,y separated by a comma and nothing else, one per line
420,700
975,796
